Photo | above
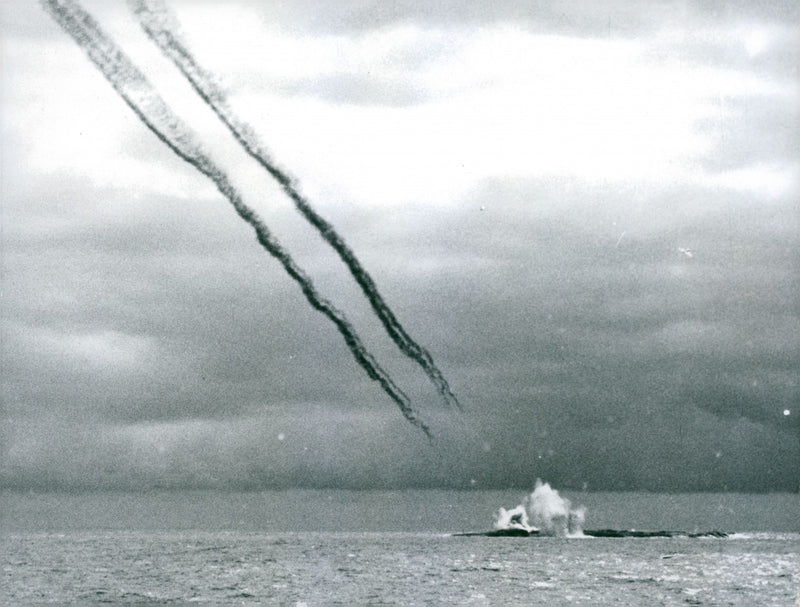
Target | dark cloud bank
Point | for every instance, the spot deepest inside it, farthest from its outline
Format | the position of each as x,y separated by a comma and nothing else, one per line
580,360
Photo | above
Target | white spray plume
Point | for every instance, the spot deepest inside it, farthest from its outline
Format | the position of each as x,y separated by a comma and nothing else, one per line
516,518
544,511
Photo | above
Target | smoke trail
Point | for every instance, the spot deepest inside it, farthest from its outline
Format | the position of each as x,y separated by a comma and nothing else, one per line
161,26
153,111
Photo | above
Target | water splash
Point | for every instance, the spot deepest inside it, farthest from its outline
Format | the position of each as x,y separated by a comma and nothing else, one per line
545,512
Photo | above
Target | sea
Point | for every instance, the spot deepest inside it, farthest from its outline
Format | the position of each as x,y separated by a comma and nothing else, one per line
336,547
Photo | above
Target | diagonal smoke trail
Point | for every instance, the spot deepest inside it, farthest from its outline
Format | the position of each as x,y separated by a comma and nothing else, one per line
161,26
151,109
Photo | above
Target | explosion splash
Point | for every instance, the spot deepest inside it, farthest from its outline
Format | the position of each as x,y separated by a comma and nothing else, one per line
543,512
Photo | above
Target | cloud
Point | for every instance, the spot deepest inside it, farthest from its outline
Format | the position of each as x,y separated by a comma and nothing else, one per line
309,447
620,19
317,446
521,205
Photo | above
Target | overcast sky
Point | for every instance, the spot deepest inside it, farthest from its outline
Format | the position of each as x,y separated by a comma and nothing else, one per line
586,212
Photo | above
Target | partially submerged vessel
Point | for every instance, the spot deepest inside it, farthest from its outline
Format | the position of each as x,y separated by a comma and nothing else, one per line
554,516
612,533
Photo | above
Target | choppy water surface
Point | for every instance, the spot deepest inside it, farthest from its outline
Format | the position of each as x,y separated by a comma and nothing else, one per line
82,565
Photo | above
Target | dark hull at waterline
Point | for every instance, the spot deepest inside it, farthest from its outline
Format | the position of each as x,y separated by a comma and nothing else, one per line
594,533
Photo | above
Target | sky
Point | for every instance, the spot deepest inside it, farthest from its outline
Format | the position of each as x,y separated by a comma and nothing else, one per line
586,212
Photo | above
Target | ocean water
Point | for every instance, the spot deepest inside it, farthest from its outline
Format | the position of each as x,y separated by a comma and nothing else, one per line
389,548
